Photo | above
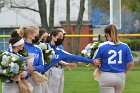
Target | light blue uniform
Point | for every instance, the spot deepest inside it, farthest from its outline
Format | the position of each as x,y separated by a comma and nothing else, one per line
113,66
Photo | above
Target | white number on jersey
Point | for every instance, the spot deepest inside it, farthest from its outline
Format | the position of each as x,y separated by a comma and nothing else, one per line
114,54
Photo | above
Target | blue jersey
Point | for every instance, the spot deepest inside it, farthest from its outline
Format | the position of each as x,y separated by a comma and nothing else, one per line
60,54
60,47
38,63
114,57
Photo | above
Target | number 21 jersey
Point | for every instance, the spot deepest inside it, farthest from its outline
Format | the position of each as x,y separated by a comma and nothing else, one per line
114,57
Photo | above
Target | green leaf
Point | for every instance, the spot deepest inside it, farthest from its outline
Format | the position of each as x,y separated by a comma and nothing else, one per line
24,53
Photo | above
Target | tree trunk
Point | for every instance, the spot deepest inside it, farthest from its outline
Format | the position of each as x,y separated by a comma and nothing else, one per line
68,25
79,25
51,15
43,13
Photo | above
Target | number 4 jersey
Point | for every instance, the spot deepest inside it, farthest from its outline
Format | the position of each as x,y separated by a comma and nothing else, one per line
114,57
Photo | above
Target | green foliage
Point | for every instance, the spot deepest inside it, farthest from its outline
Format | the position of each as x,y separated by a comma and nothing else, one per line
135,55
0,56
24,53
103,4
133,5
46,56
134,44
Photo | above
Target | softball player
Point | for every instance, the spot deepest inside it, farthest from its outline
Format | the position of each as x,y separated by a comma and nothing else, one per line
31,36
16,44
116,61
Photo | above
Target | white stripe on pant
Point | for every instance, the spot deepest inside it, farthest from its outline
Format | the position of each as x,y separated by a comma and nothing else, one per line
10,88
111,82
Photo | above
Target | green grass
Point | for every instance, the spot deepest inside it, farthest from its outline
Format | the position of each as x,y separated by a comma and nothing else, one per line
80,80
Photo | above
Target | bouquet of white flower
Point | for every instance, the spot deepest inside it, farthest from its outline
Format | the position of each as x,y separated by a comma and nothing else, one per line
48,52
10,65
89,52
90,49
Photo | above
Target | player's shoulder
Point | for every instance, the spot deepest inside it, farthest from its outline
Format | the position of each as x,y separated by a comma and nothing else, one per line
37,47
123,44
103,44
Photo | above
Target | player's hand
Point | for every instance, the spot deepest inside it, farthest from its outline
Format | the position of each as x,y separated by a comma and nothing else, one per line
30,68
23,74
72,65
97,62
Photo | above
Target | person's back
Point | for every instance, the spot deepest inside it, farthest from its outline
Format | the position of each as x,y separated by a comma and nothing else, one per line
116,61
114,57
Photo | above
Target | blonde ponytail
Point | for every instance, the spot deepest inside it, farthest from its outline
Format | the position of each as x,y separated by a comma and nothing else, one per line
112,31
24,30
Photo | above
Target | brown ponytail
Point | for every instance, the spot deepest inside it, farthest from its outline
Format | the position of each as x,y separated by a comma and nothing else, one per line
112,31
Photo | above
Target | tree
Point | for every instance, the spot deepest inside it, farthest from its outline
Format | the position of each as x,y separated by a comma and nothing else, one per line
42,10
79,25
131,5
51,17
43,13
68,25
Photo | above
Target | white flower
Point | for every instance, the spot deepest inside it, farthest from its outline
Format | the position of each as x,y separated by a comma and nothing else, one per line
53,53
5,60
47,51
90,49
4,71
14,57
42,46
12,64
5,53
4,57
15,68
91,46
88,54
88,46
83,51
51,56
